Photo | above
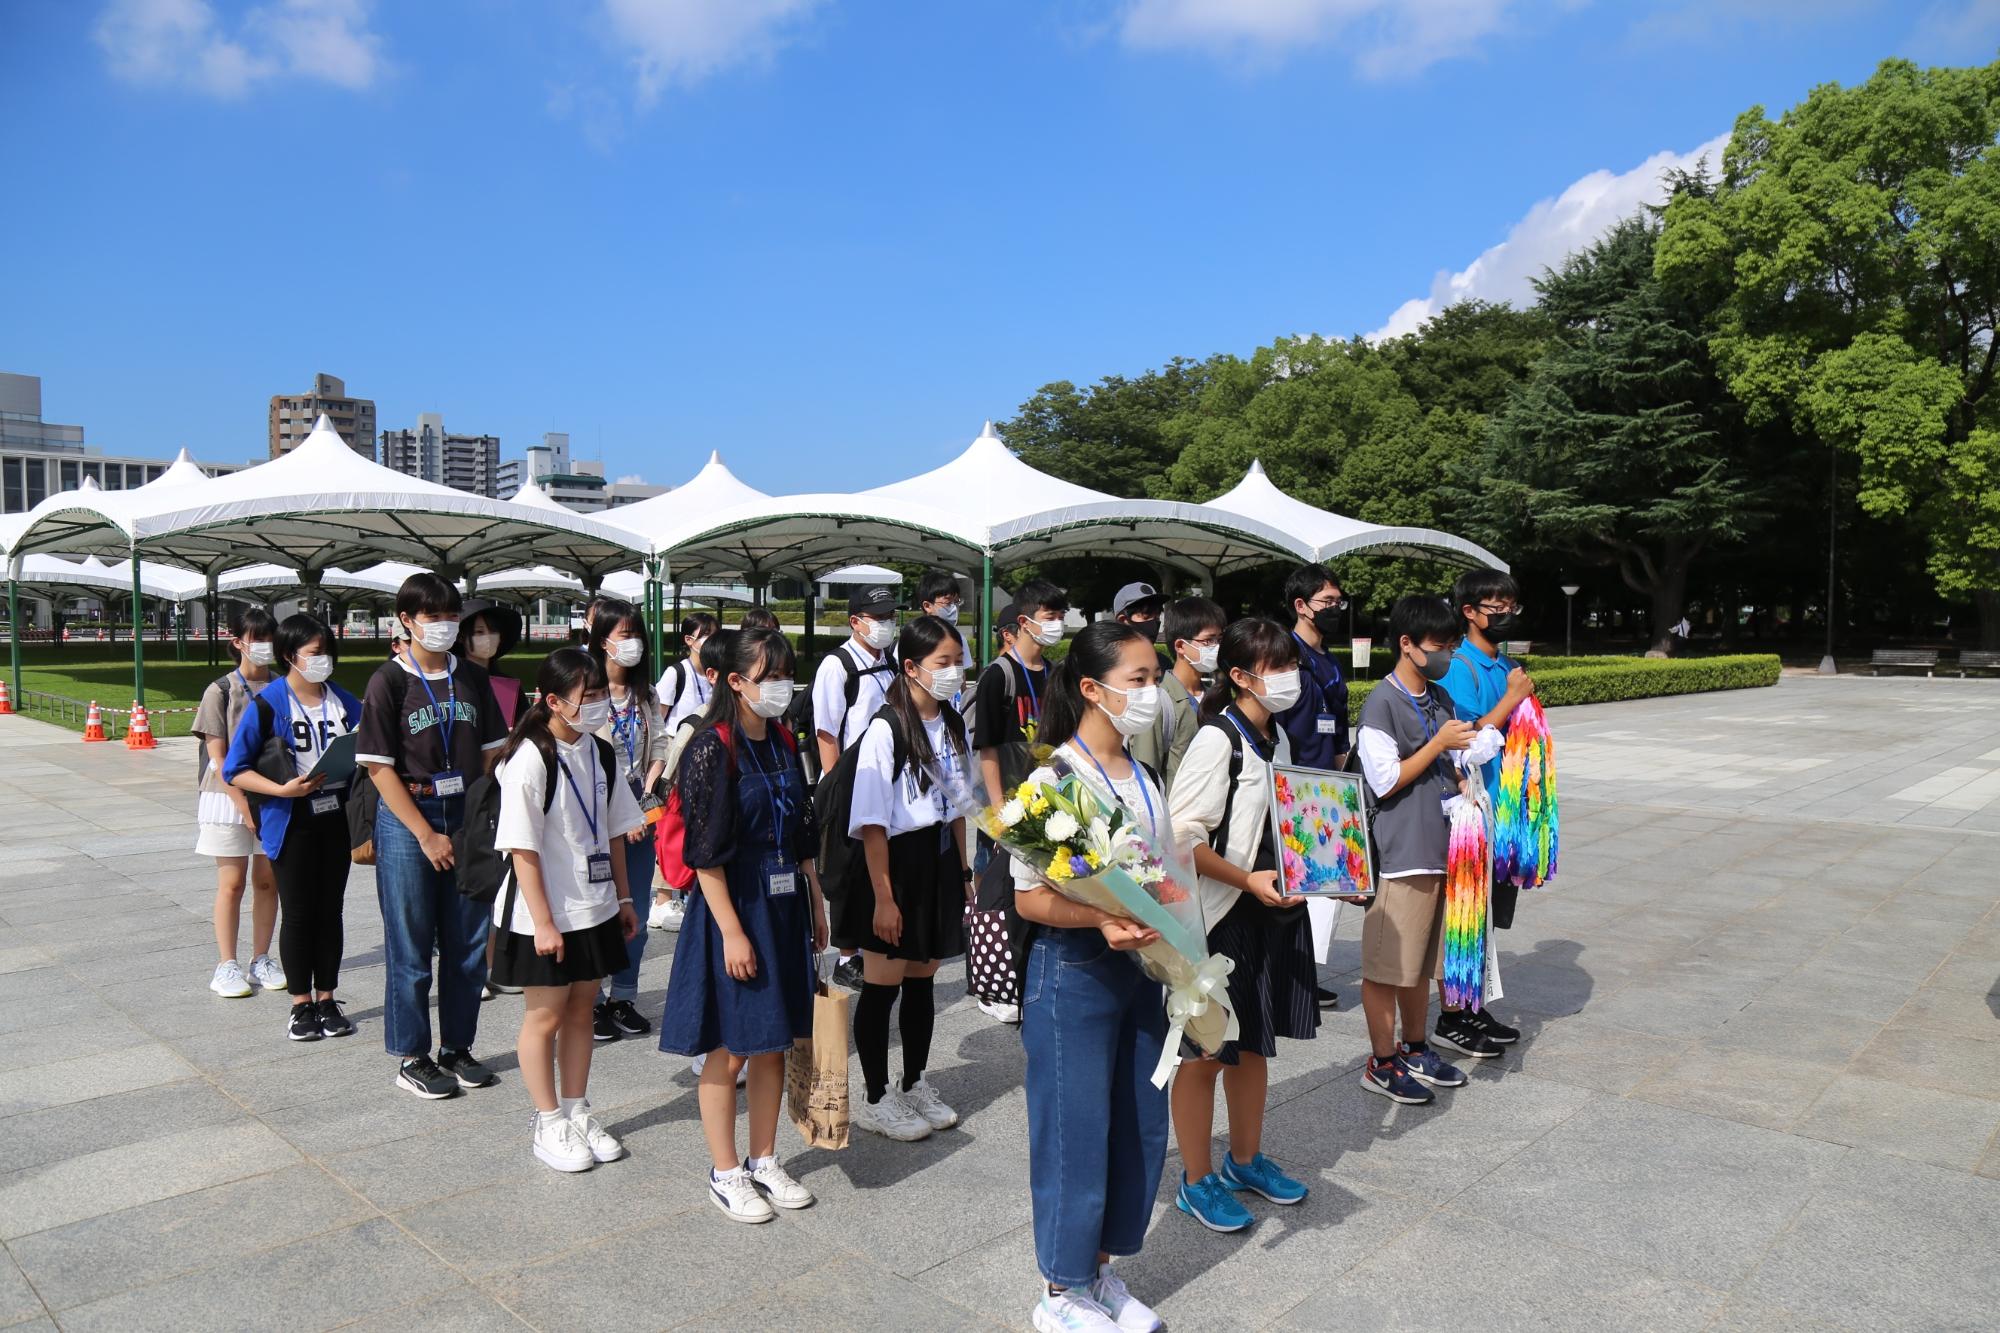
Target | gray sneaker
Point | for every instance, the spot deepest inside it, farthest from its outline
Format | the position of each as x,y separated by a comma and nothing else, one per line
229,981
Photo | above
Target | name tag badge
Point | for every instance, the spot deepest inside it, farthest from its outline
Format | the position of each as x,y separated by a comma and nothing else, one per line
325,803
448,784
781,877
1329,725
600,867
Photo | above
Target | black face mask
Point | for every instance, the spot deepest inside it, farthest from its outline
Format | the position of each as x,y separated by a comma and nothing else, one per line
1502,624
1326,620
1149,628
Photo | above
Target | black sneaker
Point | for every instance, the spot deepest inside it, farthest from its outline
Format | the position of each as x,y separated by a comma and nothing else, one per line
424,1078
1455,1033
848,974
601,1026
303,1025
468,1071
626,1018
1327,999
331,1021
1494,1029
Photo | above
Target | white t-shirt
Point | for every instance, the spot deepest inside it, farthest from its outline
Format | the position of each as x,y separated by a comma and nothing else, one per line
899,805
830,692
314,728
680,702
563,836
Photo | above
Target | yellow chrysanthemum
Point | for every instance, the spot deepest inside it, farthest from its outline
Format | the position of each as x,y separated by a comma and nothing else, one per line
1038,804
1059,868
1093,860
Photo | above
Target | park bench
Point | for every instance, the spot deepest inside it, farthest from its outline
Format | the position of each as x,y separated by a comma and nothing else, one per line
1926,658
1978,659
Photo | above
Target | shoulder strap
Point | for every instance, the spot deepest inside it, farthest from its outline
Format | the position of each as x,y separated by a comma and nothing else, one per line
548,754
1219,840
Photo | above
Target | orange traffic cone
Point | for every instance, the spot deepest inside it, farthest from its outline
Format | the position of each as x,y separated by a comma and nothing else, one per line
139,732
93,724
6,704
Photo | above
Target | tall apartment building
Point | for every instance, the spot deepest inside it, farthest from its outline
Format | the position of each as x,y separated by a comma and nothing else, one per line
292,417
39,458
466,462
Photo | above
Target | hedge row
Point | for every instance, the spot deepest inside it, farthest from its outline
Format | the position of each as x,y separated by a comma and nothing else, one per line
1633,678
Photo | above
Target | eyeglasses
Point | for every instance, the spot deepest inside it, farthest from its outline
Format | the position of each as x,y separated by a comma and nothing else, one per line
1337,604
1486,608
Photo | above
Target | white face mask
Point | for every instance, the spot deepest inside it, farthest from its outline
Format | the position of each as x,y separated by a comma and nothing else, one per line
948,613
591,716
771,699
1202,659
946,682
1142,708
436,636
1281,690
627,652
1047,633
485,645
877,634
259,654
316,668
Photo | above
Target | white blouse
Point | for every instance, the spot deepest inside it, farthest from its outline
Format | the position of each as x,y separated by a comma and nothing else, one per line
1201,789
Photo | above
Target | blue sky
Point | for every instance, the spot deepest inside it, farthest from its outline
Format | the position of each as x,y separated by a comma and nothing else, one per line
825,237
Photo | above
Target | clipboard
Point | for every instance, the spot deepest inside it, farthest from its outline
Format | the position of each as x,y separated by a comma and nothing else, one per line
337,761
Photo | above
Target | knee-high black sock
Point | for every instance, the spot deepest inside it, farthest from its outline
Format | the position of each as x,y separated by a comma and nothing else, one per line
871,1036
919,1017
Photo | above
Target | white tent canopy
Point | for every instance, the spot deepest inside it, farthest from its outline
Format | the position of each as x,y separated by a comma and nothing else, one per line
709,491
322,506
273,583
52,576
1330,535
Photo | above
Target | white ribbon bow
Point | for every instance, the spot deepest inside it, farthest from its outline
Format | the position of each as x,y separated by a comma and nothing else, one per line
1189,1000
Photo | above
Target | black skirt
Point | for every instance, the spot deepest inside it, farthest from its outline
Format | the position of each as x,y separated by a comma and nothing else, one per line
930,893
1272,987
590,954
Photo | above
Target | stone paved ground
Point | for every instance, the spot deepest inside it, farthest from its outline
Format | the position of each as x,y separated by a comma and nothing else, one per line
1760,1088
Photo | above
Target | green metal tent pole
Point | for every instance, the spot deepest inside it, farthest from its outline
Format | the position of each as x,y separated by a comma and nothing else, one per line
677,607
14,631
987,648
180,633
812,602
656,612
138,635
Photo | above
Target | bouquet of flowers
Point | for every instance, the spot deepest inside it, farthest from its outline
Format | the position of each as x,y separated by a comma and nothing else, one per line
1091,849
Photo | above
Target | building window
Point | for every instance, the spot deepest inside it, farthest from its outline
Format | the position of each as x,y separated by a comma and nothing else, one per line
37,483
13,499
94,471
69,475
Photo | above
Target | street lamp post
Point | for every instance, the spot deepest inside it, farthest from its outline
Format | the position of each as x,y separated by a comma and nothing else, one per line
1570,591
1826,664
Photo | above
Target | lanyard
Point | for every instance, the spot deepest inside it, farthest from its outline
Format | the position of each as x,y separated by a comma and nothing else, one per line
325,717
628,726
1423,714
449,717
1138,775
1236,720
588,808
1028,677
1314,656
768,774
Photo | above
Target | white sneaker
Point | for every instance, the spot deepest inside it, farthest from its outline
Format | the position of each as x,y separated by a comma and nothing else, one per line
923,1099
892,1118
738,1198
267,972
558,1143
779,1187
1072,1311
656,915
667,915
1000,1013
700,1062
603,1144
229,981
1126,1310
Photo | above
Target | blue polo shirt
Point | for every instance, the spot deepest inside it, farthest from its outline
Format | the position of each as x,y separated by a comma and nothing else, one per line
1476,684
1322,695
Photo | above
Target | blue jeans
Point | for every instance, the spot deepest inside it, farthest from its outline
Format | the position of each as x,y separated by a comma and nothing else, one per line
422,912
1093,1024
639,867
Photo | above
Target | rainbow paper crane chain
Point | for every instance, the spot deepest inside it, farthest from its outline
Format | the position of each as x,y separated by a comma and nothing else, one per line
1524,809
1468,885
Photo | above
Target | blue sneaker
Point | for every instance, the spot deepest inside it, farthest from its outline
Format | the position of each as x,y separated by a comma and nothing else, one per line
1428,1066
1263,1176
1392,1082
1209,1202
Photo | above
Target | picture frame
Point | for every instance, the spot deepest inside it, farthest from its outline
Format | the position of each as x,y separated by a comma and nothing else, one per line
1320,828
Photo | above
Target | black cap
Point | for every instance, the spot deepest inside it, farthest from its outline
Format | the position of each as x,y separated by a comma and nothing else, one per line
1006,618
876,601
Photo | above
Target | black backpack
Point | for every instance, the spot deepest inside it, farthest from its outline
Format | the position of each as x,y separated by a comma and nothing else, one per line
840,858
480,865
799,713
1266,858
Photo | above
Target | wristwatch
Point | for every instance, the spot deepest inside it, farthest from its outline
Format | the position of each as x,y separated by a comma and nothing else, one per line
968,874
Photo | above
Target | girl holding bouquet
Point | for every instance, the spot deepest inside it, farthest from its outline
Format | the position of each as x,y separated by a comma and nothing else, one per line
1091,1021
909,913
1221,806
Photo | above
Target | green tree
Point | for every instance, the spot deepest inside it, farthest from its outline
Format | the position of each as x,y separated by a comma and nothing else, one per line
1108,436
1852,252
1624,448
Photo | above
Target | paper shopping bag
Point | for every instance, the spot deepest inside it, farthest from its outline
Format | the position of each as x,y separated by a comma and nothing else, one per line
816,1073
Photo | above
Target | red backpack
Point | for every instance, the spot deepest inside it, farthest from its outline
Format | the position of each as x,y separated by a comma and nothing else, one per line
670,838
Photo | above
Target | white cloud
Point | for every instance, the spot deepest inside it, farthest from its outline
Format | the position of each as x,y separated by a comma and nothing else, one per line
1955,32
684,41
184,43
1387,38
1552,230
